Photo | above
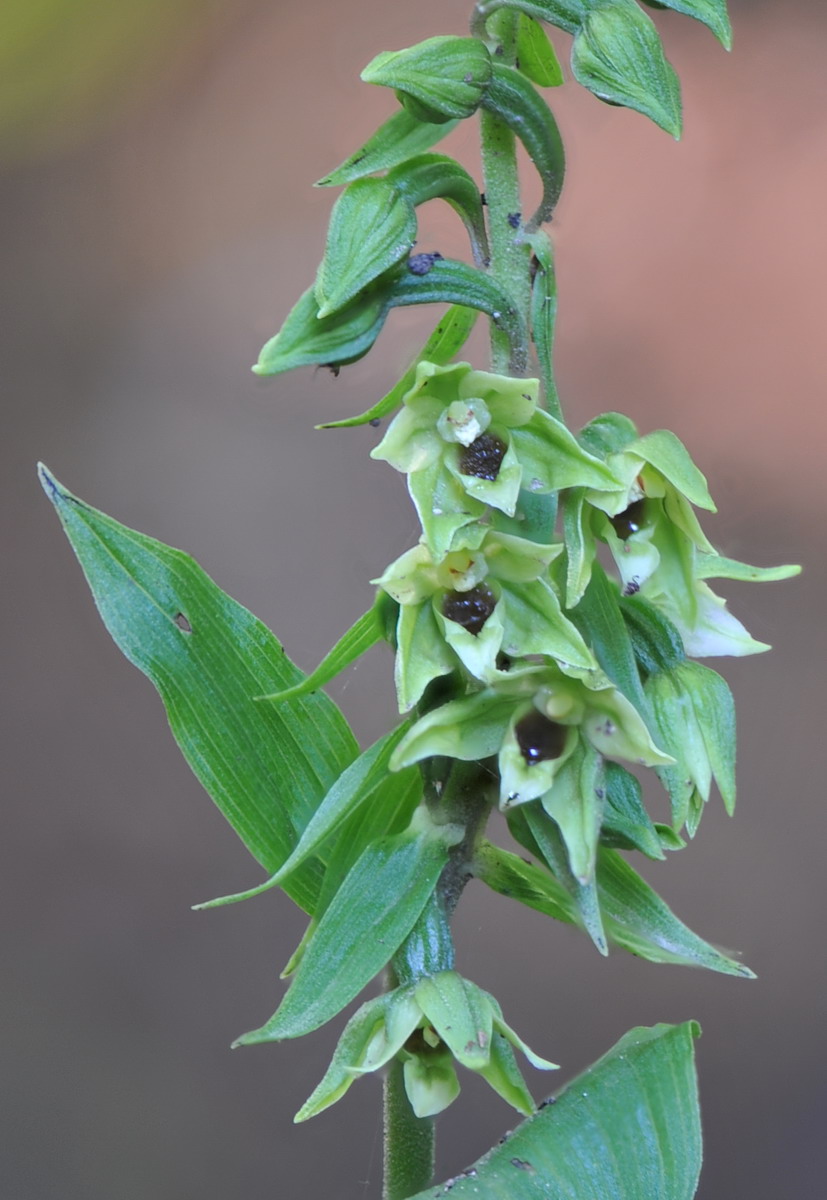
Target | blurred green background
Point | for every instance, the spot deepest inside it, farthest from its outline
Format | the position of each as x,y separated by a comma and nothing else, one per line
157,221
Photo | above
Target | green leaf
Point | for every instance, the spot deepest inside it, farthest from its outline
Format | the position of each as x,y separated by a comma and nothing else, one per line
353,788
509,875
599,619
656,643
565,14
712,13
371,914
626,1129
306,340
715,566
437,177
544,317
399,138
447,339
637,919
266,768
535,54
440,79
372,228
363,634
516,102
618,56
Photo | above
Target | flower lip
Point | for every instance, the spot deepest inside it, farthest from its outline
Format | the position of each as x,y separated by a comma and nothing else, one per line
483,457
539,738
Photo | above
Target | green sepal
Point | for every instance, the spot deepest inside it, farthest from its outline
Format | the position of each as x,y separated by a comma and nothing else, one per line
656,643
449,336
695,714
369,917
580,544
354,786
608,433
664,451
626,823
512,98
372,228
617,54
421,653
502,1074
641,1099
266,768
712,13
461,1014
438,177
535,55
440,79
307,340
715,566
550,846
552,458
443,506
575,802
344,1069
363,633
509,875
400,137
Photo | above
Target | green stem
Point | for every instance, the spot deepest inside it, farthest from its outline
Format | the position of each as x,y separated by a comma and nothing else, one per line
409,1140
510,255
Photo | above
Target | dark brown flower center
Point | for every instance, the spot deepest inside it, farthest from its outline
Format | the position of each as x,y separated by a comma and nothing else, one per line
630,520
483,457
539,738
469,609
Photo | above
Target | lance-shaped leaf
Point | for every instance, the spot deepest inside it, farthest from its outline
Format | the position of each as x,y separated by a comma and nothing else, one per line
354,787
626,1129
565,14
373,911
307,340
713,13
437,177
656,643
372,227
401,137
617,54
535,54
636,918
548,839
512,98
544,317
266,767
626,823
363,634
449,336
440,79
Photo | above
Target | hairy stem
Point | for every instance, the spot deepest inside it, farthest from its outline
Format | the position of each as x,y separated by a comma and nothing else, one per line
409,1140
510,255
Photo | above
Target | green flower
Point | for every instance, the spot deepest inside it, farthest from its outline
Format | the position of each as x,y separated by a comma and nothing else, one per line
533,719
654,536
550,733
467,439
488,598
430,1025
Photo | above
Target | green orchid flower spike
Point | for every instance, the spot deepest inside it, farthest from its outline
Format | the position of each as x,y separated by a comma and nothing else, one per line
430,1025
655,538
470,439
490,598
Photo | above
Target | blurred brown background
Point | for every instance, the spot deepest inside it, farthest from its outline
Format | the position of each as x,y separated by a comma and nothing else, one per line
157,223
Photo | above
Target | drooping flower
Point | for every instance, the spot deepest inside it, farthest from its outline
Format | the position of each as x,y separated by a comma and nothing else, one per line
467,439
490,597
654,536
430,1024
